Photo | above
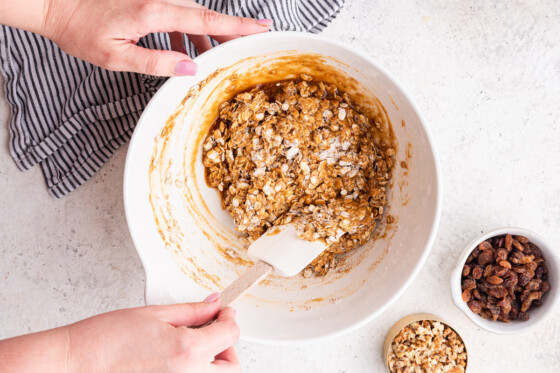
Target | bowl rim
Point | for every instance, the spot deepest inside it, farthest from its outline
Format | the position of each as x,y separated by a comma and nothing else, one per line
246,41
456,294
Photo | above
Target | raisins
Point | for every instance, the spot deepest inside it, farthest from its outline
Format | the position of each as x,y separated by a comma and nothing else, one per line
504,277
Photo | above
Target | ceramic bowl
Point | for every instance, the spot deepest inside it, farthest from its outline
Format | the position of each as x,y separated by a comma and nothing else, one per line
536,315
188,244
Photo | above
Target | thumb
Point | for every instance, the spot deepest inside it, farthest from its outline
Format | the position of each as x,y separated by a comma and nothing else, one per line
188,314
155,62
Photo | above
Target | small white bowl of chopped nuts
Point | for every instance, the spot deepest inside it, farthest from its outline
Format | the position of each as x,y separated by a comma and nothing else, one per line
507,280
422,342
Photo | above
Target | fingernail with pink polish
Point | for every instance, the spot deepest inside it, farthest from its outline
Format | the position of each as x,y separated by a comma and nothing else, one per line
212,297
186,68
265,22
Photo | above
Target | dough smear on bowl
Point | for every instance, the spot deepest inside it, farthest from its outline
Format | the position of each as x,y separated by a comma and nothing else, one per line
300,152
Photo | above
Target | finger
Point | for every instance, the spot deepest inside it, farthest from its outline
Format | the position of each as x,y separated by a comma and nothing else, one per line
227,361
188,314
224,368
201,42
219,38
228,356
224,38
177,42
187,3
218,336
200,21
152,62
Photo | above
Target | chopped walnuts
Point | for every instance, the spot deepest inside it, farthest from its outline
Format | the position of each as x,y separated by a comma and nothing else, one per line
427,346
299,152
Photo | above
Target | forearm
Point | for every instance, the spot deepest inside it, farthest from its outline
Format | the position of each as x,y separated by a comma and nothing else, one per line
38,352
24,14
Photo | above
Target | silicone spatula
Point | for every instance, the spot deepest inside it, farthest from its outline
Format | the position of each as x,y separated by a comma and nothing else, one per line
279,249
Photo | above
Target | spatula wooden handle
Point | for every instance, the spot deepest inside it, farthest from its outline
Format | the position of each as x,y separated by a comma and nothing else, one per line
252,276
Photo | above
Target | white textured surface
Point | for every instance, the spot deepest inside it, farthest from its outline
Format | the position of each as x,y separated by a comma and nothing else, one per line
487,77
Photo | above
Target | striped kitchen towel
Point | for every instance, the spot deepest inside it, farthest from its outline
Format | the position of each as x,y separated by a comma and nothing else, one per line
70,116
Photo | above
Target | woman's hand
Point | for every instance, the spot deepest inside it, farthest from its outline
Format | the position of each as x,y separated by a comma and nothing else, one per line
156,339
145,339
105,32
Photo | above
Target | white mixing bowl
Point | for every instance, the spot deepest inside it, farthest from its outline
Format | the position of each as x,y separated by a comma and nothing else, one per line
188,244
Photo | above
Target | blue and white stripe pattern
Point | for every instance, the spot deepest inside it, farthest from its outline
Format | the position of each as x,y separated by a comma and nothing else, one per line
70,116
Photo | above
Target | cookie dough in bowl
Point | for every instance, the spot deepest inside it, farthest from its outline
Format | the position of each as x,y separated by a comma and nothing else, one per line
300,152
189,245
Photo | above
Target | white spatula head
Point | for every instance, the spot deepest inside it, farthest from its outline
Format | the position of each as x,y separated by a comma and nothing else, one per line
282,248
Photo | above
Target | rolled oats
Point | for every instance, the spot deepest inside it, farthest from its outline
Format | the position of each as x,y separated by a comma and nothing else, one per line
299,152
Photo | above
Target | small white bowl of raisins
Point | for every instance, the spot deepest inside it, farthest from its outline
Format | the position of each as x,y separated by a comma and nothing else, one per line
507,280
